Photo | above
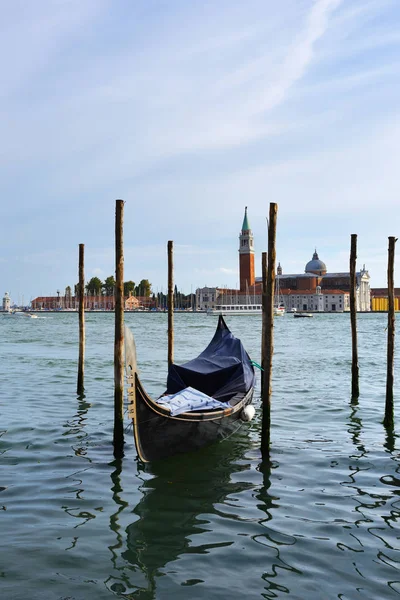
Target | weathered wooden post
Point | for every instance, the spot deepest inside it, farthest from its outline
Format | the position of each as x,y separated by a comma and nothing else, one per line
355,390
118,439
170,303
268,342
264,266
81,291
389,420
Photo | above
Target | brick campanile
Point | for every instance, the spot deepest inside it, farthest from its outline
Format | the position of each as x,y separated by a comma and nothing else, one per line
246,255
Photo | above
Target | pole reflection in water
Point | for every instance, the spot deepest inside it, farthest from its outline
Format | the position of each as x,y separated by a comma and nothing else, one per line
76,430
114,525
365,538
355,428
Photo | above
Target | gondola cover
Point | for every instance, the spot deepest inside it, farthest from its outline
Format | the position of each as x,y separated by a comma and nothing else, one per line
222,370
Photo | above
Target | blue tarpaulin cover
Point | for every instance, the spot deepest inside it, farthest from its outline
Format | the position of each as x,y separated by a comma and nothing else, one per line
222,370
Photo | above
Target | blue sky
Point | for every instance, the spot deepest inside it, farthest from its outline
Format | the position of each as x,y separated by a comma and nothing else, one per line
190,111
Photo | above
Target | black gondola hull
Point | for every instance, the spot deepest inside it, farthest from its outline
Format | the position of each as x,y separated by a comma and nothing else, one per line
159,435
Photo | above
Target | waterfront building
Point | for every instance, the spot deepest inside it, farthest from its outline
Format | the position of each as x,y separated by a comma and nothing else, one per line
6,302
90,303
315,290
334,288
132,303
380,299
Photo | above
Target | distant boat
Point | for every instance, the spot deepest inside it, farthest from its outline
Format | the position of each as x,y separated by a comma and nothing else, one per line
206,400
279,310
235,309
279,305
17,313
302,314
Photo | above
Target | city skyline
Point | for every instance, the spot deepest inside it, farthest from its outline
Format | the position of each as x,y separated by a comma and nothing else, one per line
189,112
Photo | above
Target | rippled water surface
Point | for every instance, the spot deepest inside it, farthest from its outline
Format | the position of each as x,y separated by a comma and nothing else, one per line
320,522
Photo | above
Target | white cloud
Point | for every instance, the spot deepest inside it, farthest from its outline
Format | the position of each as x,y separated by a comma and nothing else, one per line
190,113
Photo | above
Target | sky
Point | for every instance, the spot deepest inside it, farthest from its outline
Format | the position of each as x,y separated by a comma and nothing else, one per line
190,111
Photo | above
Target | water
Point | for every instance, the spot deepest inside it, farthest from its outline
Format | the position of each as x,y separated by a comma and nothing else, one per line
321,522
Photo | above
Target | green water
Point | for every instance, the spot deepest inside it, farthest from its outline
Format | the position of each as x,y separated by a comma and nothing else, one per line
321,522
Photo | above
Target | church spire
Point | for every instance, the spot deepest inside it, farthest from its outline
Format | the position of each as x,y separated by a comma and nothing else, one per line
246,255
245,226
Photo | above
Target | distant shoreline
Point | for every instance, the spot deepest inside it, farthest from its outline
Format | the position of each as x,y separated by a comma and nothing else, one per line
184,312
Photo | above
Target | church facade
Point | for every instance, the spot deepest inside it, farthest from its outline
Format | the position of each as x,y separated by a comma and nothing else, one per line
318,290
315,290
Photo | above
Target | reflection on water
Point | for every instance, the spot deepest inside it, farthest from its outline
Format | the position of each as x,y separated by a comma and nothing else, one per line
321,521
178,496
371,499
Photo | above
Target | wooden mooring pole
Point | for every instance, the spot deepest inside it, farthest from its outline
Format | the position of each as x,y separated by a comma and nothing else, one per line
118,439
264,267
389,418
268,341
170,303
81,290
355,389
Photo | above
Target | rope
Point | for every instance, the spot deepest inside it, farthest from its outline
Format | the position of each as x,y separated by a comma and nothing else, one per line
253,362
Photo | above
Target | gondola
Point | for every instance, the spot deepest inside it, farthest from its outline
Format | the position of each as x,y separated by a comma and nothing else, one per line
220,380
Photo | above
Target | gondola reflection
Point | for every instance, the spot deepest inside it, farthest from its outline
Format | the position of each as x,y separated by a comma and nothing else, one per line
179,494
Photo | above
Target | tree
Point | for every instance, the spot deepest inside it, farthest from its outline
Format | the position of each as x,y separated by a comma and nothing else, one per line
177,298
109,286
143,288
129,286
94,287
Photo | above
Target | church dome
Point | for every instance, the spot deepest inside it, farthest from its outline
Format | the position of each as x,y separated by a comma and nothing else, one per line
315,265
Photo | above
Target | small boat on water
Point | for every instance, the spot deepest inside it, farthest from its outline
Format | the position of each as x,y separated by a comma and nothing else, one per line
279,310
302,314
206,400
20,313
235,309
279,305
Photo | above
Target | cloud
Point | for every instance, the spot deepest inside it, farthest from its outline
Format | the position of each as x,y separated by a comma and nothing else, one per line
181,105
191,112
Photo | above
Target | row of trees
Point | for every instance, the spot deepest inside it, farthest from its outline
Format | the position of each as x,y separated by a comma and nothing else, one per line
96,287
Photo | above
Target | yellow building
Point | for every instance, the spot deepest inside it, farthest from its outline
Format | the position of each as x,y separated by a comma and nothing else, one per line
380,300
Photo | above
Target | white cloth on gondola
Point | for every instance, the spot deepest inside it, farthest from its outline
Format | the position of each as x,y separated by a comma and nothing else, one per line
188,400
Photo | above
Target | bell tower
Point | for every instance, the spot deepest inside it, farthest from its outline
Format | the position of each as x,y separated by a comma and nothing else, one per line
246,255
